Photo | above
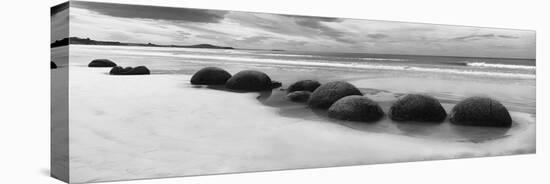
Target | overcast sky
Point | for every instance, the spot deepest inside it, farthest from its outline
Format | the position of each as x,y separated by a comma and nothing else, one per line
162,25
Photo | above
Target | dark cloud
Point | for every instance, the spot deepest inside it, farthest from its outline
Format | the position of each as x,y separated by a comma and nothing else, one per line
152,12
59,8
316,23
319,19
483,36
313,22
377,36
474,37
508,36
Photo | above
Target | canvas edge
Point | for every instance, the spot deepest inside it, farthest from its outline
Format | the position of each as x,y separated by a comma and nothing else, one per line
59,130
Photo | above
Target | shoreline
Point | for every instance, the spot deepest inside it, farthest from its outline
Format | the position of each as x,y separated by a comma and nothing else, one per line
212,57
277,50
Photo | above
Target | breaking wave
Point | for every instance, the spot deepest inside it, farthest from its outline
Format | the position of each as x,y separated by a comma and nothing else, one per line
492,65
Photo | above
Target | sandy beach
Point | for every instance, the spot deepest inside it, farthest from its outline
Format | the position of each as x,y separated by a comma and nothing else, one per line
160,125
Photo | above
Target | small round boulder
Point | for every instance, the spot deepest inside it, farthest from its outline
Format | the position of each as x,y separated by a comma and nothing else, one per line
481,111
325,95
249,80
299,96
102,63
416,107
140,70
52,65
303,85
356,108
210,76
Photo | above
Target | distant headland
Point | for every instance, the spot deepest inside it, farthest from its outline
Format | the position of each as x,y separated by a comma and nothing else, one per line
88,41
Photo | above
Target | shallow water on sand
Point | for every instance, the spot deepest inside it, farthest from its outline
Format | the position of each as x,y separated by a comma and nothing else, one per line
437,131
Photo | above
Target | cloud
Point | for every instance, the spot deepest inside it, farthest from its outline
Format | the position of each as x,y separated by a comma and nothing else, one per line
59,8
256,39
152,12
182,35
286,26
317,23
377,36
59,22
483,36
474,37
508,36
312,22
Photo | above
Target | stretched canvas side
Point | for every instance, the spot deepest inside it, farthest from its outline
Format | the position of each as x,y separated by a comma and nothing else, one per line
59,153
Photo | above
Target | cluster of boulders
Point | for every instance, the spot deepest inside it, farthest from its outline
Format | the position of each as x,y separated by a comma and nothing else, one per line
140,70
301,91
343,101
119,70
247,80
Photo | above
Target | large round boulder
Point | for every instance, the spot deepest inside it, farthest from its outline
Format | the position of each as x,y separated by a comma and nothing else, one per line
325,95
356,108
299,96
249,80
52,65
416,107
210,76
303,85
480,111
140,70
102,63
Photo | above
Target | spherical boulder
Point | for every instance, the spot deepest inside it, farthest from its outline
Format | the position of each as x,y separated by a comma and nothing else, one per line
356,108
299,96
140,70
416,107
303,85
102,63
249,80
325,95
480,111
52,65
210,76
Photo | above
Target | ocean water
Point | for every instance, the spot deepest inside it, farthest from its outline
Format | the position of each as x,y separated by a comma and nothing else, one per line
498,67
449,78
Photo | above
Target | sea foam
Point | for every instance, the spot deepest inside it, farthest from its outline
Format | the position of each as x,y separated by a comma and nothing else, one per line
490,65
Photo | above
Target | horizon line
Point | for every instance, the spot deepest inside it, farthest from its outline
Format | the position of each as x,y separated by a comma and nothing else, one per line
283,50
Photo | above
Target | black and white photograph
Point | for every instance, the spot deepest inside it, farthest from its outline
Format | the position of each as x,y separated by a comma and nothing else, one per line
140,92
